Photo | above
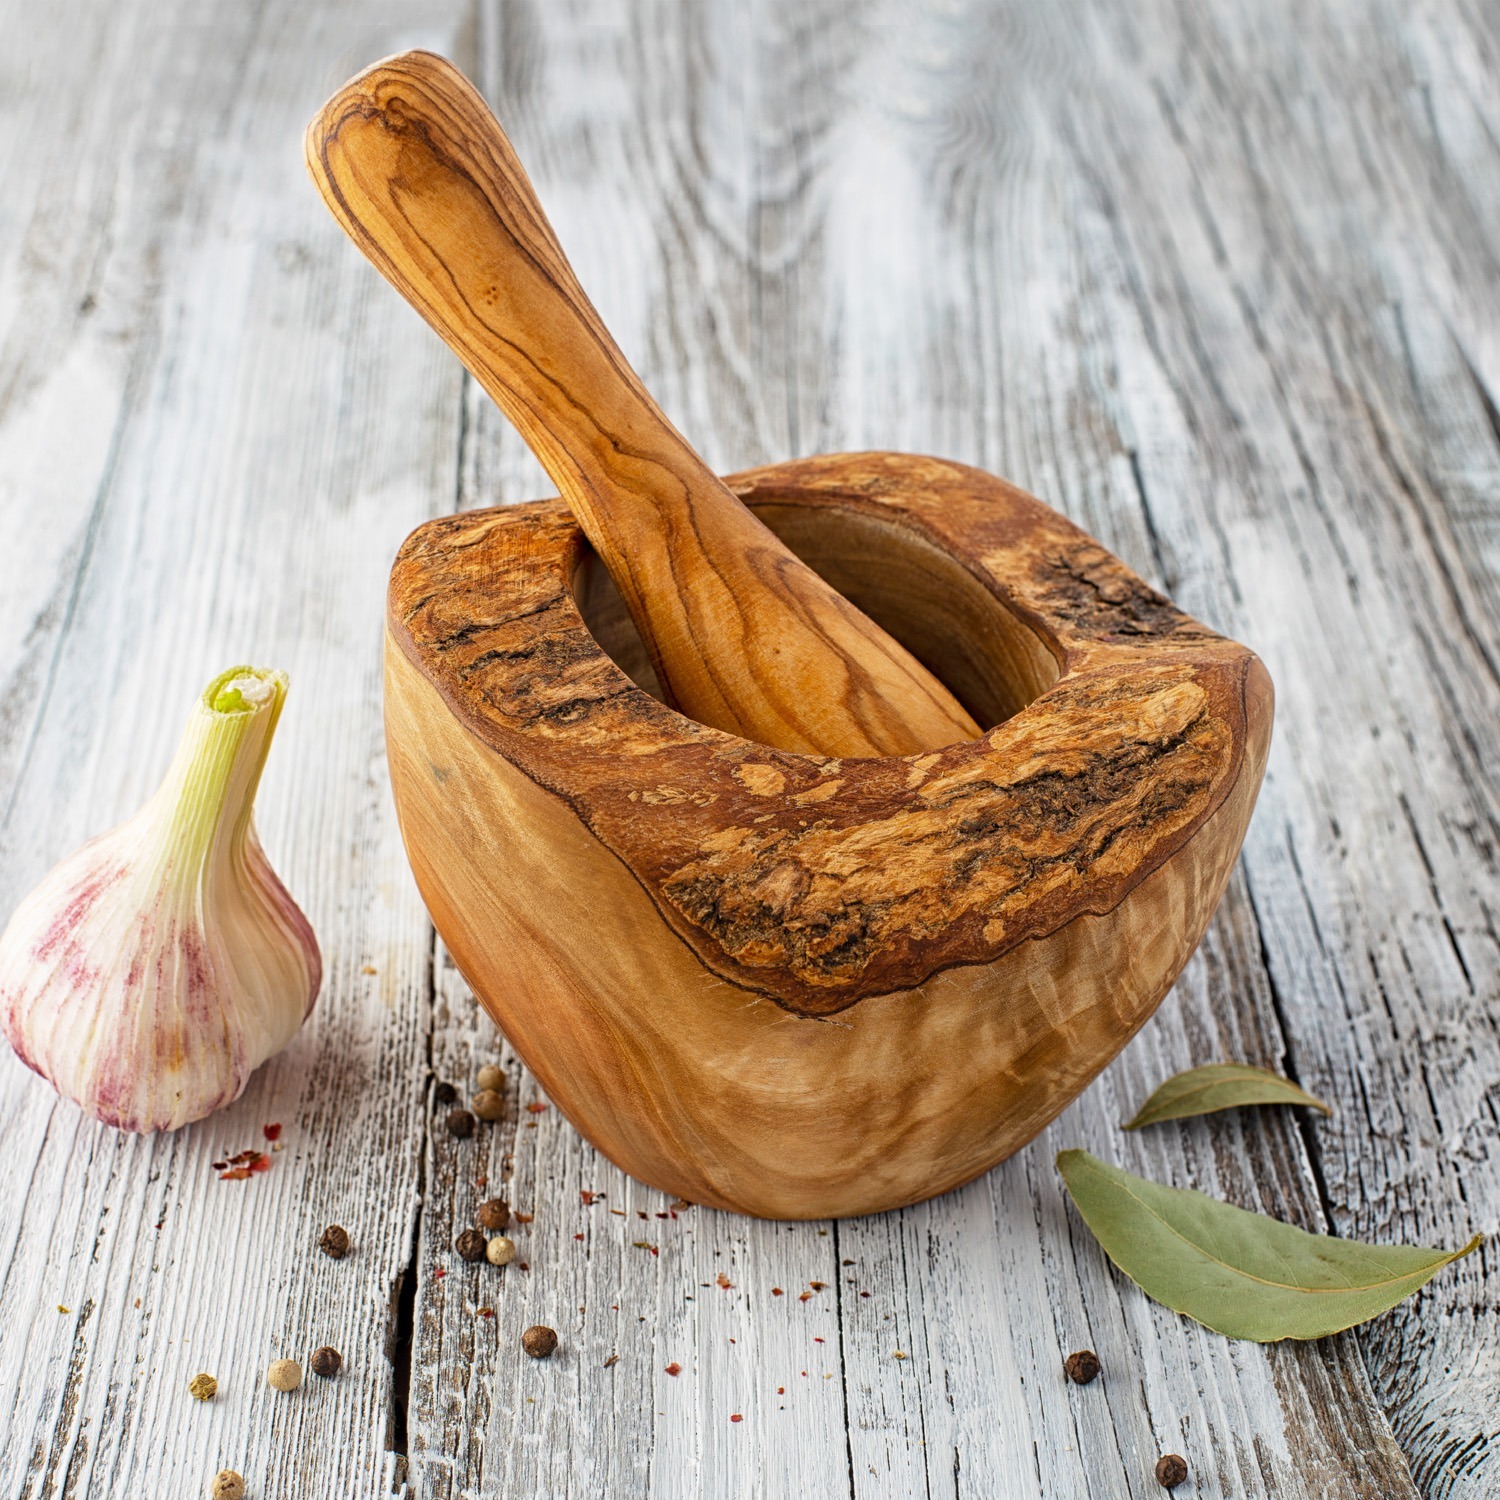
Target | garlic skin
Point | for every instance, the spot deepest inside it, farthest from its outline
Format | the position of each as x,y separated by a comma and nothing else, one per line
152,971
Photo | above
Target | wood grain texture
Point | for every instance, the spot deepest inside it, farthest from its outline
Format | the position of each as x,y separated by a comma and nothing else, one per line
1216,281
418,171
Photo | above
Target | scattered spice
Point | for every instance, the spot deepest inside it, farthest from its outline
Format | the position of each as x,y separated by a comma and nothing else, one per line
284,1375
271,1132
470,1245
539,1341
226,1485
898,1353
500,1251
490,1077
535,1107
488,1105
63,1309
589,1198
486,1312
612,1361
493,1213
777,1292
804,1296
1171,1470
327,1361
369,969
243,1165
724,1282
1082,1366
334,1242
646,1245
444,1093
460,1123
736,1417
678,1204
203,1387
439,1272
818,1286
674,1368
578,1236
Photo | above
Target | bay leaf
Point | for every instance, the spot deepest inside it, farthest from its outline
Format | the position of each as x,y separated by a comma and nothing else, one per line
1241,1274
1203,1091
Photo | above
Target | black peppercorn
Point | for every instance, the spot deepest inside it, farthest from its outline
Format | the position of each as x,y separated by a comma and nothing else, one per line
1171,1470
1082,1366
538,1341
327,1361
470,1245
460,1123
334,1242
444,1093
493,1213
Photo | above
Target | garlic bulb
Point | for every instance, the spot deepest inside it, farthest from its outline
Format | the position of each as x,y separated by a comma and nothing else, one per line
155,969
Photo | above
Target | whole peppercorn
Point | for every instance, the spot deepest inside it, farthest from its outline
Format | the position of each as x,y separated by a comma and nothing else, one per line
490,1077
470,1245
1171,1470
327,1361
1082,1367
500,1251
444,1093
226,1485
284,1375
538,1341
488,1105
460,1123
493,1213
334,1242
203,1388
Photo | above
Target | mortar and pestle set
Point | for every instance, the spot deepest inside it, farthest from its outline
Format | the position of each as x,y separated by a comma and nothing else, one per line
772,921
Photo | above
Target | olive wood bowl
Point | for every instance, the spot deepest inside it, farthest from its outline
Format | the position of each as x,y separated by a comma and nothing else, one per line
792,985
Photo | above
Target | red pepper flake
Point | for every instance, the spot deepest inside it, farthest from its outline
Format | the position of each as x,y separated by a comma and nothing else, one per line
588,1197
522,1265
577,1236
646,1245
864,1294
674,1369
439,1272
612,1361
736,1417
781,1390
521,1218
723,1281
271,1132
535,1107
486,1312
817,1286
817,1340
777,1292
804,1297
242,1165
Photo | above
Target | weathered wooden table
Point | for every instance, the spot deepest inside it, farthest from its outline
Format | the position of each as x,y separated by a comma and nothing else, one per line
1220,281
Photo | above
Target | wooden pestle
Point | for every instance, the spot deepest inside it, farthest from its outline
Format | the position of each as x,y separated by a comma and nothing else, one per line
742,634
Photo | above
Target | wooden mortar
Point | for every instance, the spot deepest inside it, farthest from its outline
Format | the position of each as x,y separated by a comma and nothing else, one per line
792,985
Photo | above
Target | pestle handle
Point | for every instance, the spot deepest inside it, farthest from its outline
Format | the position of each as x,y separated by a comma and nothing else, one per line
743,635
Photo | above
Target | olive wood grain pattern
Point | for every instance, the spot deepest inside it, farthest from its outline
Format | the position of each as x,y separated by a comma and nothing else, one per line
741,634
795,985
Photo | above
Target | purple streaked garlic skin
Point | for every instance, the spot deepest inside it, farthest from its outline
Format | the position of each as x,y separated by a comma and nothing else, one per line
153,970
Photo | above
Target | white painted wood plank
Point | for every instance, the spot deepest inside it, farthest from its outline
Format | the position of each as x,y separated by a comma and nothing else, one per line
260,467
800,257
